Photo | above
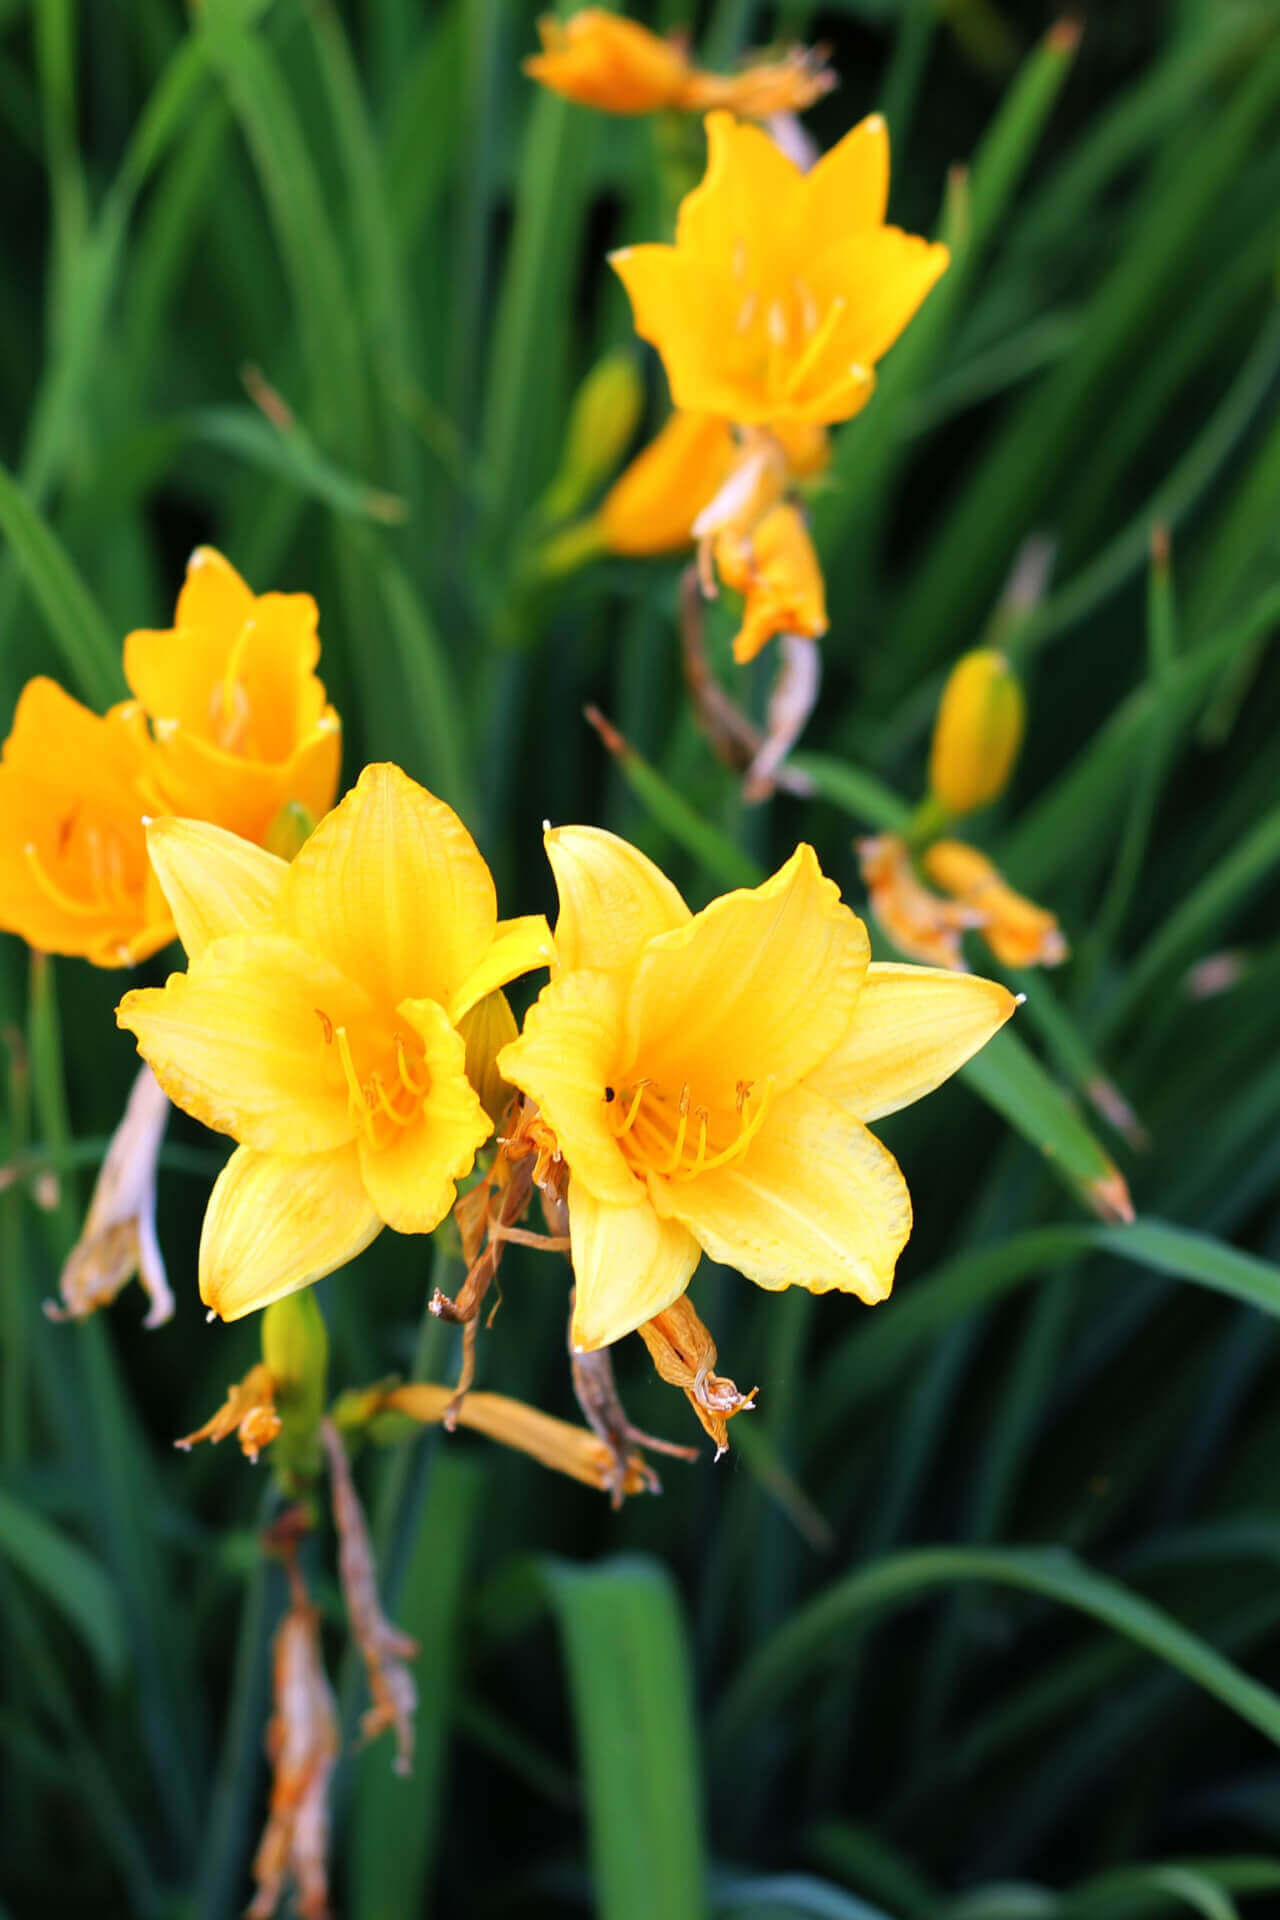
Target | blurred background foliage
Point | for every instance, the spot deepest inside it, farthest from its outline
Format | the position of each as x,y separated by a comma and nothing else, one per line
316,283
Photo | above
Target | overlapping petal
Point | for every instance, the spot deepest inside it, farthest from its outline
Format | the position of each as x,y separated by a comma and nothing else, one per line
628,1264
411,1177
882,275
565,1058
757,988
743,215
276,1222
518,946
816,1202
215,882
238,1041
392,889
613,900
847,191
912,1028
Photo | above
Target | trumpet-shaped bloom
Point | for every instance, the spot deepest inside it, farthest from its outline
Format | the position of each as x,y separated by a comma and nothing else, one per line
776,571
240,722
74,875
1018,932
783,288
318,1024
602,60
708,1078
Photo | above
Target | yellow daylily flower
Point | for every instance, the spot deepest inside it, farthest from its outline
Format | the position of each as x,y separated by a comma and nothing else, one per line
602,60
981,719
708,1078
241,727
1018,932
776,571
783,288
318,1023
74,875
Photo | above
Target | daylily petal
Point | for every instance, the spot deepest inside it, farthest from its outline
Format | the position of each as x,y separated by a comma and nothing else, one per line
564,1059
276,1222
613,900
911,1029
848,190
688,308
213,594
815,1202
891,272
238,1041
410,1178
743,213
627,1265
215,882
519,946
189,775
392,889
758,987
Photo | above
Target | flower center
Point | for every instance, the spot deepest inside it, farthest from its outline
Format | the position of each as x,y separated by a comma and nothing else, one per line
784,324
87,872
386,1097
230,712
660,1131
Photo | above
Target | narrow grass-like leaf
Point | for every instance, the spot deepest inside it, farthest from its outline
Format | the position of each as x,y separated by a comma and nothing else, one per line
70,1580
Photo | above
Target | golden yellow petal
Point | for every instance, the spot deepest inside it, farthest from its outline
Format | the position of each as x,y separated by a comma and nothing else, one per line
238,1041
198,779
276,1222
410,1172
815,1202
627,1265
758,988
213,595
745,213
215,882
392,889
912,1028
519,946
688,308
848,190
565,1058
883,276
613,900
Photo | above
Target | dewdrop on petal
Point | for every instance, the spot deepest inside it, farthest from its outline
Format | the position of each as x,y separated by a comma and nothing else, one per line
978,732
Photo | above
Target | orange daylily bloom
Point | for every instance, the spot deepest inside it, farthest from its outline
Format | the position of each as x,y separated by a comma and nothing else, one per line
783,288
600,59
319,1023
1018,932
240,721
74,875
776,570
708,1079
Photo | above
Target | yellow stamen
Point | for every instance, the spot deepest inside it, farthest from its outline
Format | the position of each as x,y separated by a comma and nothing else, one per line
378,1093
633,1110
407,1080
819,338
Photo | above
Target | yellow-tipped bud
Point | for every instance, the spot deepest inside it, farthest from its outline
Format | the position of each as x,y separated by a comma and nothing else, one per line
978,732
602,422
486,1030
295,1351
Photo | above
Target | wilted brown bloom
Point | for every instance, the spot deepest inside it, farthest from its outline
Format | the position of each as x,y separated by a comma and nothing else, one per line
302,1745
684,1355
1018,932
249,1411
383,1647
119,1234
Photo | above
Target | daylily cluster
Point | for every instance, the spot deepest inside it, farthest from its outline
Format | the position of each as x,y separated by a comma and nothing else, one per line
975,747
602,60
783,289
228,723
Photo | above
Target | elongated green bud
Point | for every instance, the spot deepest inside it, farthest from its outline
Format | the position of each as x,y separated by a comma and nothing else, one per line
602,421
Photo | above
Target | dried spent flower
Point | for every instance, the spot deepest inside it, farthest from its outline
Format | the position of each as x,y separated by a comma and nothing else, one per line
383,1647
249,1411
684,1355
302,1746
118,1238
